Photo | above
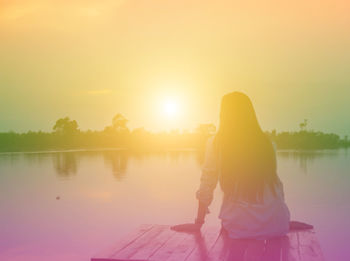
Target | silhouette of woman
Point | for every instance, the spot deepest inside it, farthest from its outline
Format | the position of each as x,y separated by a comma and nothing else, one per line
242,159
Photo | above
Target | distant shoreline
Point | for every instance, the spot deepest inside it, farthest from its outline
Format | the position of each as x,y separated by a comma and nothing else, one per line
66,137
152,151
96,150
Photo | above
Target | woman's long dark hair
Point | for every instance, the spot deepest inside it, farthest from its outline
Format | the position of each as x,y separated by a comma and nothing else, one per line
245,154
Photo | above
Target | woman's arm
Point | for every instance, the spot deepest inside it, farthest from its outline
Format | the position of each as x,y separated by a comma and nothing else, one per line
204,194
201,213
208,181
199,221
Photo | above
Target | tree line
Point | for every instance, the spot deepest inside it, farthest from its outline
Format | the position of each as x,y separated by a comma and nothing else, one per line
66,135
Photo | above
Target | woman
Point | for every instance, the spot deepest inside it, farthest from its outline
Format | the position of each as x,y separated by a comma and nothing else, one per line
242,159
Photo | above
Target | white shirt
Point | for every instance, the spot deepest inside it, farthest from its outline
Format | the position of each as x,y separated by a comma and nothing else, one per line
241,219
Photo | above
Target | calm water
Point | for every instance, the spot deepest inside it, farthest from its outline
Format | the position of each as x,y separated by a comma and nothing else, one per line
67,206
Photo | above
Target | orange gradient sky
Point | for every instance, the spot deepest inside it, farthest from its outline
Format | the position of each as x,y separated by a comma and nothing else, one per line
92,59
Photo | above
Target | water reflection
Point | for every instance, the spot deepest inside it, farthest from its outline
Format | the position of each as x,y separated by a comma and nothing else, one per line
118,162
305,158
65,164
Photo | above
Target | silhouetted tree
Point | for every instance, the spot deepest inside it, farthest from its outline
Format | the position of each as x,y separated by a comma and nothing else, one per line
303,125
66,126
273,134
119,123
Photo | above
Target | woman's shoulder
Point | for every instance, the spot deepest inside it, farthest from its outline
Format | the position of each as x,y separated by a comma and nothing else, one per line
268,144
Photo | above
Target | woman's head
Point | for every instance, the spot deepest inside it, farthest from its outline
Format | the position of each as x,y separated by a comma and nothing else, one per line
246,156
237,115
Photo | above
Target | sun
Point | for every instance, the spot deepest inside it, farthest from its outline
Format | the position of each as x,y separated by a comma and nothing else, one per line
171,108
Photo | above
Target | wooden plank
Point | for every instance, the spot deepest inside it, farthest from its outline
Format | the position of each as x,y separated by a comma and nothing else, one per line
310,249
144,253
274,249
255,250
127,240
165,251
204,243
285,247
159,243
237,249
184,248
290,249
220,250
140,243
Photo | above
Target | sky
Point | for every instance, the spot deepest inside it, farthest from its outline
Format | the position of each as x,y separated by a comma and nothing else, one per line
166,64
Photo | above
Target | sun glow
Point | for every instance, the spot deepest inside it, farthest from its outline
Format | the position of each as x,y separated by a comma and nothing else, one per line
171,108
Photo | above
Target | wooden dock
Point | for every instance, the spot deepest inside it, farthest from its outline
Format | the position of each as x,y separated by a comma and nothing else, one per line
160,243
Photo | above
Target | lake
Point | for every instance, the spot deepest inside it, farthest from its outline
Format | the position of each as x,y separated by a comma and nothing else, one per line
69,205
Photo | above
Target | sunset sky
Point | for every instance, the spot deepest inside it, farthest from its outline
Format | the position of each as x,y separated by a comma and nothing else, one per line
166,64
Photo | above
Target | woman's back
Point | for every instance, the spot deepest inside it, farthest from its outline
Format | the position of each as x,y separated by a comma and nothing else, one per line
241,218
